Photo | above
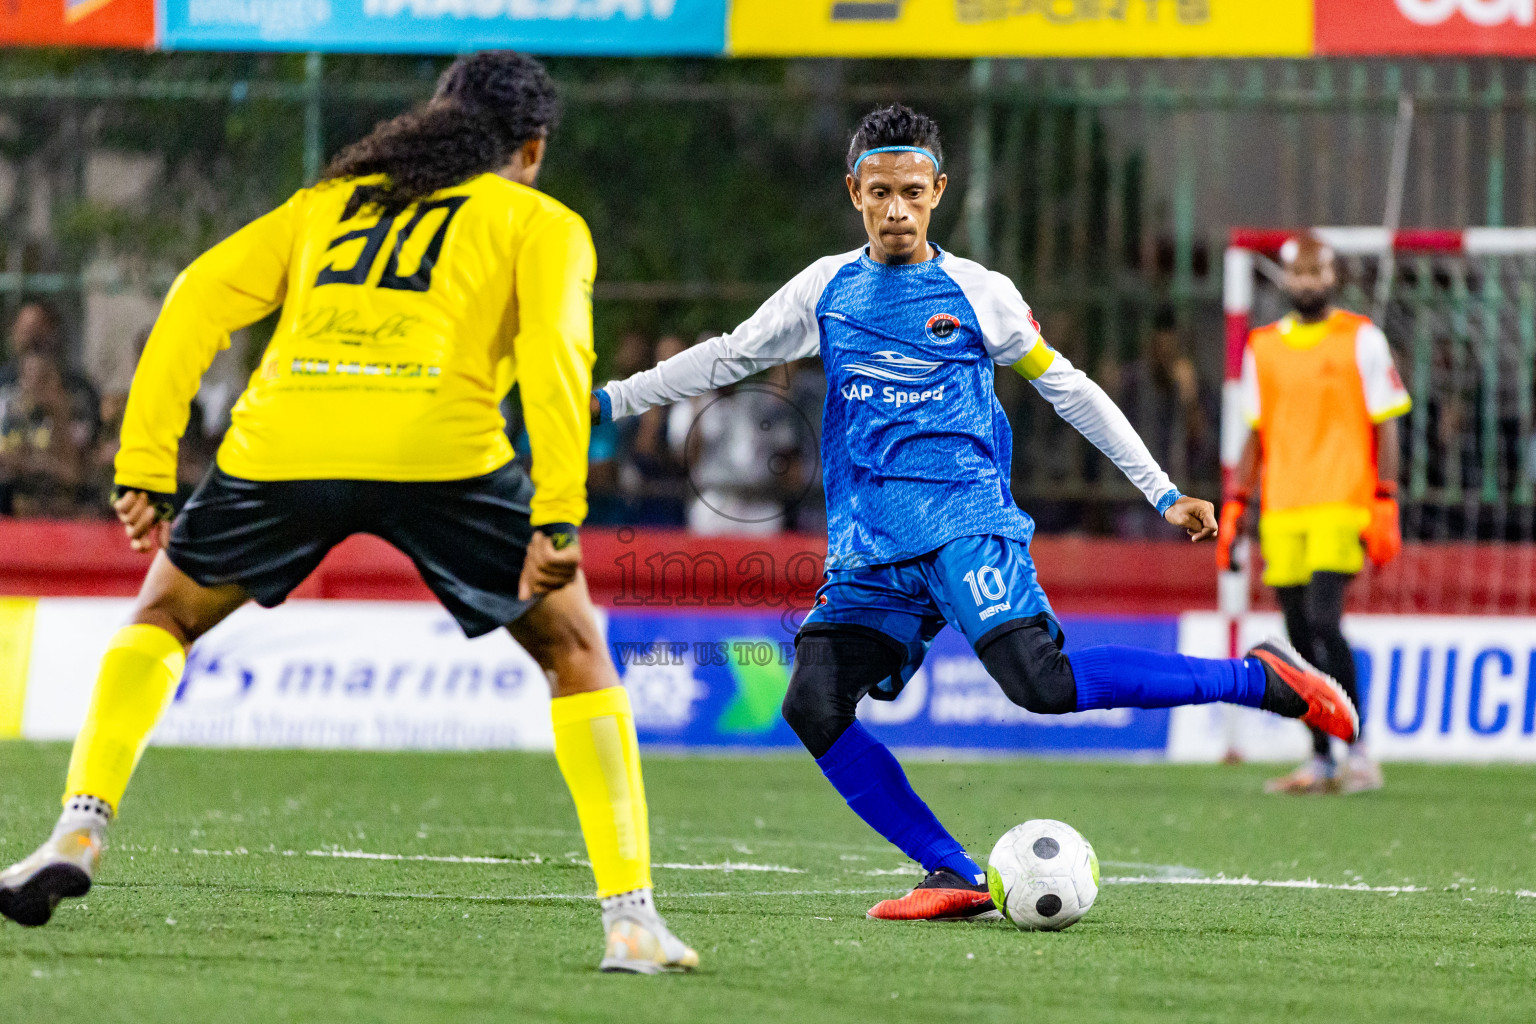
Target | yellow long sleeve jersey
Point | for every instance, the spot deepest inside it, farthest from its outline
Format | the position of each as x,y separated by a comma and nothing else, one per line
398,339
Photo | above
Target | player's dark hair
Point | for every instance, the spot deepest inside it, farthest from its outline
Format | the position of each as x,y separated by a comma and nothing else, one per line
486,106
895,125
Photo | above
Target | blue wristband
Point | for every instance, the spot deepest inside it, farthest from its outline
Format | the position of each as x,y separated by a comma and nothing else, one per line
604,406
1166,501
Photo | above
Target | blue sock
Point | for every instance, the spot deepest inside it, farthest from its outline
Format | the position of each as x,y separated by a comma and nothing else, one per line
868,777
1132,677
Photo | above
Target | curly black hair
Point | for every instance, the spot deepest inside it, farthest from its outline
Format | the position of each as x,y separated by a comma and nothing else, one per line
486,106
895,125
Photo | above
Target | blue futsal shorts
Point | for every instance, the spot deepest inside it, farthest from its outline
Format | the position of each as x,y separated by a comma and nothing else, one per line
983,586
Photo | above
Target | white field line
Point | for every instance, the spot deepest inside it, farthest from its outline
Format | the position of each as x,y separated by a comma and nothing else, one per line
1312,883
1167,874
666,896
728,866
1155,870
731,865
428,858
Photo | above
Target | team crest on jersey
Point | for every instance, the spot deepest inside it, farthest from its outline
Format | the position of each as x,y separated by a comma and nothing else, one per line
941,326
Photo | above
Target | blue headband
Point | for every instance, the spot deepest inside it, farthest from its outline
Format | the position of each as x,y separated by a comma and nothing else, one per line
896,149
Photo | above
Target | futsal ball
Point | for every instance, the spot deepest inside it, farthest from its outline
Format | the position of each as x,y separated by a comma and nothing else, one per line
1043,875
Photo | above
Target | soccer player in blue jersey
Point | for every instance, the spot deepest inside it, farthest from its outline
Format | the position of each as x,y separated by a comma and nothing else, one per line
923,529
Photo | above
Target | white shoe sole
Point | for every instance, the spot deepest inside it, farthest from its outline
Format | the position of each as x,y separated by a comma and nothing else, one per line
614,965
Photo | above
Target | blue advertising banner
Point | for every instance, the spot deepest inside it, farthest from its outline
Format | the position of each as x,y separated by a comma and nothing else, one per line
578,27
1457,689
717,681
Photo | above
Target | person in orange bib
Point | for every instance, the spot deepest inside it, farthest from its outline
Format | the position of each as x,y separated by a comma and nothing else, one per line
1322,397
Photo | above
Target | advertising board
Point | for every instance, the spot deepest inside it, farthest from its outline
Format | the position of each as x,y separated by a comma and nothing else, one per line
1429,27
385,675
324,674
1433,688
718,681
128,24
627,27
1021,28
399,675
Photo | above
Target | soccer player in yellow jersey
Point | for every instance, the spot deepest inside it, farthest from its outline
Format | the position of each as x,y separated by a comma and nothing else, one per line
417,281
1322,396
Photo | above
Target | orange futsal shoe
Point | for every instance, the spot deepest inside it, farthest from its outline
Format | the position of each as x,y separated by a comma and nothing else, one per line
942,896
1315,775
1328,707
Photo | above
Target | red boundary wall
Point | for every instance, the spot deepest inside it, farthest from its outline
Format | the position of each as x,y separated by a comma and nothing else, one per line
671,569
629,568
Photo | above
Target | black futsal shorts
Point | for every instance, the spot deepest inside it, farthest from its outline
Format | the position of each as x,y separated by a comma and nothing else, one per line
467,537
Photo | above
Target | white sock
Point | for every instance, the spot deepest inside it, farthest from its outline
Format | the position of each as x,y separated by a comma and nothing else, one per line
635,903
84,812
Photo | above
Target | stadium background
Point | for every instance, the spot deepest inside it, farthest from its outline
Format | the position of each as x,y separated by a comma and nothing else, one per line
1108,182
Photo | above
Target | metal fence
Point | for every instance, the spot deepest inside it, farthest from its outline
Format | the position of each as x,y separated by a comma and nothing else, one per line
1104,188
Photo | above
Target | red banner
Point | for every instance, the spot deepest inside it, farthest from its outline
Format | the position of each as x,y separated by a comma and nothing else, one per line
1365,27
124,23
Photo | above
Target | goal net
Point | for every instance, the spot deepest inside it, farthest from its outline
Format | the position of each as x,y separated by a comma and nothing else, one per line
1459,309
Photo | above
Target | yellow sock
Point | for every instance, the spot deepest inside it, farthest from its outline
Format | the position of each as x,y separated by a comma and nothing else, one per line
596,749
138,676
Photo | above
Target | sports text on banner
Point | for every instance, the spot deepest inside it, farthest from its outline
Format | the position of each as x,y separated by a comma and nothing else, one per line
1055,28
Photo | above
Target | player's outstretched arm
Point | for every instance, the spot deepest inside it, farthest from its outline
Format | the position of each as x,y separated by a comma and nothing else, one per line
782,330
230,286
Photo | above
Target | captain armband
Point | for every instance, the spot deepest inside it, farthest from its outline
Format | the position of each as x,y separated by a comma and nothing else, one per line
1036,361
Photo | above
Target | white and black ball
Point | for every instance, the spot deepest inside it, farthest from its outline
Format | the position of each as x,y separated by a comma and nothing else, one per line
1044,876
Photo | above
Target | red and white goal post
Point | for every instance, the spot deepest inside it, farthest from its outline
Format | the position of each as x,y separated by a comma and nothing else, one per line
1461,318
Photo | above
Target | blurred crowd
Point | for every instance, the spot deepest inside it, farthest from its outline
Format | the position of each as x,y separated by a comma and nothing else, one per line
743,460
59,430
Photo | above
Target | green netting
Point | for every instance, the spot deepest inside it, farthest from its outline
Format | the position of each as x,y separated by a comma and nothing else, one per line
1463,331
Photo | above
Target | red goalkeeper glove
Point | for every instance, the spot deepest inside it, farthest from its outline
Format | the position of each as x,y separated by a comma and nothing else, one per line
1230,527
1383,536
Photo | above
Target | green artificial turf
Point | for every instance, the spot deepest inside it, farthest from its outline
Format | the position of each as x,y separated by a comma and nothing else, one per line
256,928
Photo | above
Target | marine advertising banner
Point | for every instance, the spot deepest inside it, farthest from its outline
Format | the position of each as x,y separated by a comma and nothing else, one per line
366,675
128,24
1022,28
1429,27
382,675
378,675
588,27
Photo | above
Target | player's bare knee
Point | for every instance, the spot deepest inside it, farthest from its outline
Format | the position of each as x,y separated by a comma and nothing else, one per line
549,646
163,613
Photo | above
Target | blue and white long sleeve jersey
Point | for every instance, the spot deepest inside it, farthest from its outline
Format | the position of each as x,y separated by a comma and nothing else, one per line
915,447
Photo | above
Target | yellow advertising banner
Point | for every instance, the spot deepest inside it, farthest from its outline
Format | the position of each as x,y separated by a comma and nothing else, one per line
1021,28
16,615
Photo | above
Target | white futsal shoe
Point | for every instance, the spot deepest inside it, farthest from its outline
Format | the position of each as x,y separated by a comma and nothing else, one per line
60,869
639,941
